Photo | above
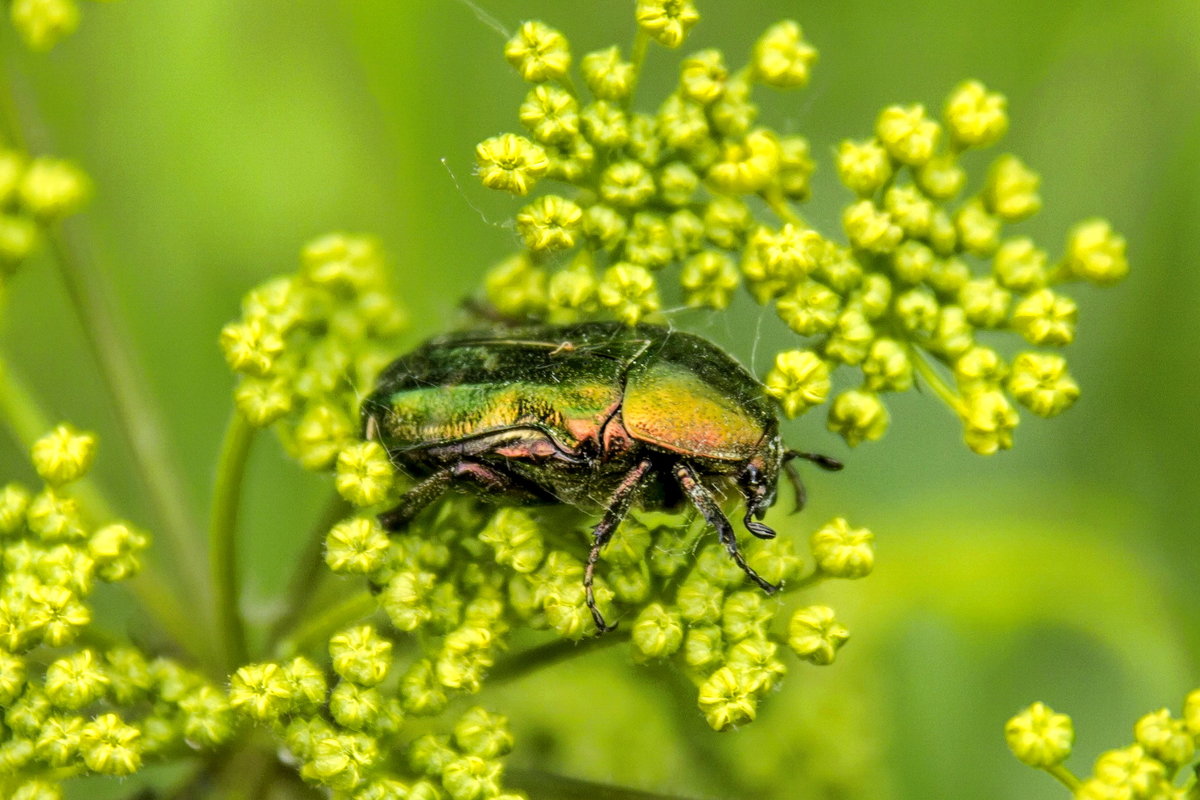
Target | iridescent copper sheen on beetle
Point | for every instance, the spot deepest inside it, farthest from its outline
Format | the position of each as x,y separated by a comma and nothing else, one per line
597,415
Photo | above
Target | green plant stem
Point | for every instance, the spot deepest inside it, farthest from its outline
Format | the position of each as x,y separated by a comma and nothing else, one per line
140,423
549,654
641,42
306,580
1064,776
320,627
138,418
222,538
948,396
560,787
26,422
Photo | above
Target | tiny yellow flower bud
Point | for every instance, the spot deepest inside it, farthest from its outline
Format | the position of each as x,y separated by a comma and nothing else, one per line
677,183
12,166
726,221
795,167
912,262
887,367
943,233
851,337
709,279
746,166
75,681
1011,191
1191,711
988,422
263,400
338,260
539,53
1165,738
941,177
703,645
18,237
858,416
320,435
755,658
1096,253
815,635
948,276
1020,265
361,655
510,163
110,747
728,699
791,253
57,613
975,116
649,242
910,209
657,633
1046,318
871,228
978,231
864,167
985,302
667,21
251,347
629,292
799,381
1039,737
979,368
839,268
1131,769
874,296
626,184
570,159
63,455
604,226
843,552
38,790
732,115
482,734
809,309
41,23
574,288
550,113
356,546
51,188
782,57
702,76
14,500
605,124
917,311
606,75
517,539
549,223
953,335
682,123
907,134
54,517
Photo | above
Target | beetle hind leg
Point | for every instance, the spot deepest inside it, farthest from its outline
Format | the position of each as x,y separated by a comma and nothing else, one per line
431,488
618,507
707,506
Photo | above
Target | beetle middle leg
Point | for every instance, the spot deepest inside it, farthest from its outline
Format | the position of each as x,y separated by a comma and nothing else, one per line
618,507
707,506
431,488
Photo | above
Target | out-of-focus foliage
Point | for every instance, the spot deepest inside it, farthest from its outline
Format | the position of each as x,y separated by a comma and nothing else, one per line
220,134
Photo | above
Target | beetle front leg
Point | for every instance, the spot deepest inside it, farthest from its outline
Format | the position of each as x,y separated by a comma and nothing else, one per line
618,507
707,506
427,491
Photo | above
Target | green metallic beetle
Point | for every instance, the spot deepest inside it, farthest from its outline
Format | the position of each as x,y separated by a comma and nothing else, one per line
595,415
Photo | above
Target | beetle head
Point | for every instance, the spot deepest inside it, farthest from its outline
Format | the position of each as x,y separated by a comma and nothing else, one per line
758,481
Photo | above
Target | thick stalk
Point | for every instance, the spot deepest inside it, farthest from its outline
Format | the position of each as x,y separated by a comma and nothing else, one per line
560,787
222,539
549,654
936,383
319,628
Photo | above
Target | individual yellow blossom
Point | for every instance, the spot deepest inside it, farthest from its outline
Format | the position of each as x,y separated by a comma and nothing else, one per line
795,167
979,368
912,262
1011,190
574,288
799,381
539,53
606,75
728,699
709,279
515,287
42,23
252,346
985,302
851,337
1039,737
941,177
550,113
667,21
702,76
605,124
1165,738
109,746
52,188
974,116
887,367
863,167
1046,318
1132,769
510,163
858,416
782,57
649,241
1020,265
988,422
910,209
978,230
63,455
549,223
356,546
1096,253
263,400
810,308
917,311
871,228
627,184
907,134
746,166
628,291
815,635
843,552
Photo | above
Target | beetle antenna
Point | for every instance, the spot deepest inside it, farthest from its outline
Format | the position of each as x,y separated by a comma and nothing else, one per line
824,462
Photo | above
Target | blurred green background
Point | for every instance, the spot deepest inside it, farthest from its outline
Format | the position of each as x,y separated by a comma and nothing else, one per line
222,134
